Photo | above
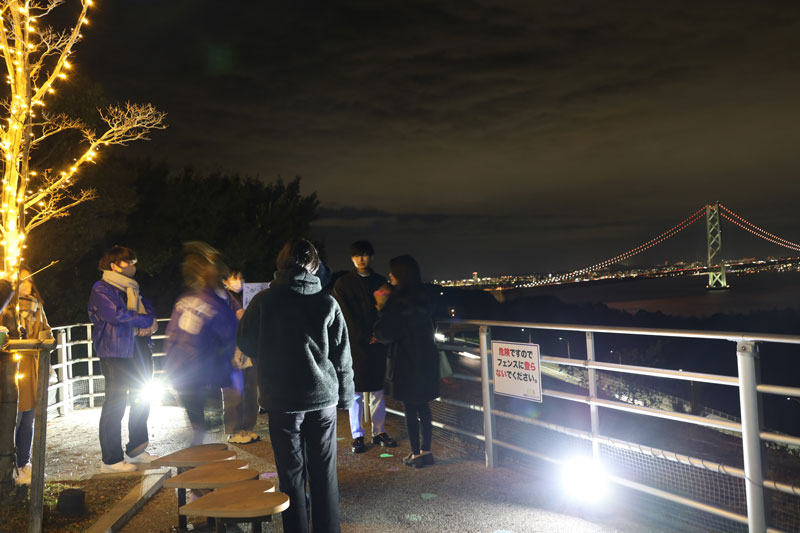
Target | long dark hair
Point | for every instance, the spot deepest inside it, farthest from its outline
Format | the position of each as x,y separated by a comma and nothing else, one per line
405,270
34,290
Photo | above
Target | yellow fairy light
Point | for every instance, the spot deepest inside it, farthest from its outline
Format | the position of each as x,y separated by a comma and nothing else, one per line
19,376
62,76
17,357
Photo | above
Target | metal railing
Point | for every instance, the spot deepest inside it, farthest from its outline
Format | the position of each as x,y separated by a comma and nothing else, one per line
746,381
74,347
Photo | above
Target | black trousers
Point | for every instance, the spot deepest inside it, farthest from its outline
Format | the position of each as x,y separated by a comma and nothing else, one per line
124,380
194,399
418,415
304,445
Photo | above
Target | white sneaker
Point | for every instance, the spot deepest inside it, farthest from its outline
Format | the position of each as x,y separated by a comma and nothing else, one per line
24,477
121,466
143,457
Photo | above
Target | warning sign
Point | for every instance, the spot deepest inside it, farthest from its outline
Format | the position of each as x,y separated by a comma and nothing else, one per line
516,370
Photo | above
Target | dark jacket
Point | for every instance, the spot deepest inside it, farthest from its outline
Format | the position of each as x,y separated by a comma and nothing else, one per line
114,323
354,294
201,339
406,324
298,338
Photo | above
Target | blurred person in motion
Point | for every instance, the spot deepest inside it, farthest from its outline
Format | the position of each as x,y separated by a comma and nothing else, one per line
29,323
298,338
354,292
201,336
405,324
123,322
240,401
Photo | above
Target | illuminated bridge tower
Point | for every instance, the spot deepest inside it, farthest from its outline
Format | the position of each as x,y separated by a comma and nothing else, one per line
716,274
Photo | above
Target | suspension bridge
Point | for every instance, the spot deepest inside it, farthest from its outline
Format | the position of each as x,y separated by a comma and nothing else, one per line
716,267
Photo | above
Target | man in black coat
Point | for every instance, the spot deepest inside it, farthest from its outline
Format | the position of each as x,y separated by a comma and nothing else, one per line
354,292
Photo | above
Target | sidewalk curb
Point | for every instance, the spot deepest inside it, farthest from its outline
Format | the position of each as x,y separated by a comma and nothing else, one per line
117,516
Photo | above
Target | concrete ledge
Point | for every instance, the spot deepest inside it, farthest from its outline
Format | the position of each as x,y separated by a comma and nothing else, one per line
117,516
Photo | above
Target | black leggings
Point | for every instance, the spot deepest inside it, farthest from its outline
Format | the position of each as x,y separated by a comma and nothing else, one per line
418,414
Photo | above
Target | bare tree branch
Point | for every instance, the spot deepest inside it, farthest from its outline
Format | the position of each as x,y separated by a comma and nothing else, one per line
36,59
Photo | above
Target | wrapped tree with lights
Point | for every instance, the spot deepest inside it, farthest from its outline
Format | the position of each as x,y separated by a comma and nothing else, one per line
37,59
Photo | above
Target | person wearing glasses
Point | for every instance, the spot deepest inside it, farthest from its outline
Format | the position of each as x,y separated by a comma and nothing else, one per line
123,322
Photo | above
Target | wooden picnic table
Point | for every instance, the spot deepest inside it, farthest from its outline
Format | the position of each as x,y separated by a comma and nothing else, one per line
247,501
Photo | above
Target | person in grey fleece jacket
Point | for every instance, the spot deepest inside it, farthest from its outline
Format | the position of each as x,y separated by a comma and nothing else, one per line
298,336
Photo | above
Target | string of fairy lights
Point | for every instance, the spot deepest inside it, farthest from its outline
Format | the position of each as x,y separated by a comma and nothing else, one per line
25,57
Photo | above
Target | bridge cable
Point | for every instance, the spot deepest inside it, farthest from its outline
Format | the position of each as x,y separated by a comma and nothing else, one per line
757,231
691,219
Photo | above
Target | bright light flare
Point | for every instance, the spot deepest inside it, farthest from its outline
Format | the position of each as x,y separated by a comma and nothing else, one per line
585,479
440,337
469,355
154,391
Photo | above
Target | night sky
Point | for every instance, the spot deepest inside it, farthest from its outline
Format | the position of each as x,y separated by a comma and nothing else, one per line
502,137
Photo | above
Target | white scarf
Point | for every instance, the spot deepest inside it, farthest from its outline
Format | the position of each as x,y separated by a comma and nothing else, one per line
131,287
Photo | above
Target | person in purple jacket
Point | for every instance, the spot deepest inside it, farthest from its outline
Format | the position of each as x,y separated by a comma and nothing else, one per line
123,323
201,336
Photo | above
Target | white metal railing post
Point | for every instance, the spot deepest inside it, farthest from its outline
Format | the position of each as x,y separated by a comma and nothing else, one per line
62,371
68,397
488,397
746,359
593,412
90,356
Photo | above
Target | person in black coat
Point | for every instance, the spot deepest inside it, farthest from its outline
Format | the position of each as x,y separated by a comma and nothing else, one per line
354,292
405,323
298,338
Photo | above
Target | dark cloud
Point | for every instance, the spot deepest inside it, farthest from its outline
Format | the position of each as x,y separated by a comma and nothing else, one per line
600,116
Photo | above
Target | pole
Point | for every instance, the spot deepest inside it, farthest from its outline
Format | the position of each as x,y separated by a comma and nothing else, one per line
593,412
8,421
488,398
39,438
90,356
746,359
62,372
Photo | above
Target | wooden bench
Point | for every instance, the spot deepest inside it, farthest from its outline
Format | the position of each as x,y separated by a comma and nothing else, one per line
192,457
209,476
195,456
251,501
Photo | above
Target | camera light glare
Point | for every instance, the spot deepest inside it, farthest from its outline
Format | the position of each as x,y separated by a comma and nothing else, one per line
585,479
